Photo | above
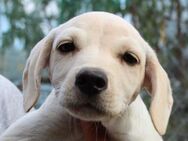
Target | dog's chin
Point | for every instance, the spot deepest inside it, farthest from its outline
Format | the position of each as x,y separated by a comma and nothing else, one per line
85,112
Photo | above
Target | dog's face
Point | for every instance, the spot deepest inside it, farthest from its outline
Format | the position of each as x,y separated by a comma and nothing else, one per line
97,64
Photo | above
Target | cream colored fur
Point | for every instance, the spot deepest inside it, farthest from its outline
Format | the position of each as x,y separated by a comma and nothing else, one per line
11,104
100,38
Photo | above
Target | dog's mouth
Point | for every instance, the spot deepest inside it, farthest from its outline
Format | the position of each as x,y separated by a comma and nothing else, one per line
86,111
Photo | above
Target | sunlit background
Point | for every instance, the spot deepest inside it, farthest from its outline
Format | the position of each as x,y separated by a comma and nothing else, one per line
163,23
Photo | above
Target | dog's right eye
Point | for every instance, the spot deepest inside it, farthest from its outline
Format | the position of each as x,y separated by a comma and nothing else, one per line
130,58
66,47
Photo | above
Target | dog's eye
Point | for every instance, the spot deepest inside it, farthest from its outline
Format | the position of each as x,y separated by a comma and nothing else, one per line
130,58
66,47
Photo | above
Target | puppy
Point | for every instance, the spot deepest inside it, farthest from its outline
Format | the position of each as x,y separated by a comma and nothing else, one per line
97,63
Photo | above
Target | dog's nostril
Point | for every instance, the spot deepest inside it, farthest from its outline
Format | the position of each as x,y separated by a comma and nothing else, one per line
91,81
99,83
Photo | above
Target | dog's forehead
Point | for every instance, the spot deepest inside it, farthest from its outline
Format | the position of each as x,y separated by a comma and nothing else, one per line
102,22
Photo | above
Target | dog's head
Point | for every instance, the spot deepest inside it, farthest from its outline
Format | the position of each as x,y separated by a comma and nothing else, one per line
98,63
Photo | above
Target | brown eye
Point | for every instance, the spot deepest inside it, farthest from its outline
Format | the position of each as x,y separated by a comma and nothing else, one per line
66,47
130,58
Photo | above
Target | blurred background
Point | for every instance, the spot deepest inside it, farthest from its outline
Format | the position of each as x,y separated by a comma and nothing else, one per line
163,23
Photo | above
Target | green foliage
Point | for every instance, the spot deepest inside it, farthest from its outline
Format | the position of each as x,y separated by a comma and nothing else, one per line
69,9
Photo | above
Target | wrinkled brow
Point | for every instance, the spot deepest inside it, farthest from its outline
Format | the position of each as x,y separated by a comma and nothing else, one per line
123,44
69,34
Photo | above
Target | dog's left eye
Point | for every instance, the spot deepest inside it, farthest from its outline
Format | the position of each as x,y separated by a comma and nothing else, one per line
66,47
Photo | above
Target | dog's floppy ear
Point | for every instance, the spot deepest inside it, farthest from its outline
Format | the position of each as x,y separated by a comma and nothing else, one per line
37,60
158,85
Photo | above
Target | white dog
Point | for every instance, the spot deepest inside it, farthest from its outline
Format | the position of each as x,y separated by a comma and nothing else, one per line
11,104
97,63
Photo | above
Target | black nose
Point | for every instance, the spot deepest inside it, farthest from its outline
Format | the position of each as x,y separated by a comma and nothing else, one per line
91,81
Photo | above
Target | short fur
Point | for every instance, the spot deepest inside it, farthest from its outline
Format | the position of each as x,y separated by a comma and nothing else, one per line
100,39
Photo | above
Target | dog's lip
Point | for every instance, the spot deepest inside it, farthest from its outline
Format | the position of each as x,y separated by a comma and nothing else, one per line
84,107
79,107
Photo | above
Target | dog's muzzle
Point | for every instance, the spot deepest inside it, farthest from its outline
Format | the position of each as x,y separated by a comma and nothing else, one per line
91,81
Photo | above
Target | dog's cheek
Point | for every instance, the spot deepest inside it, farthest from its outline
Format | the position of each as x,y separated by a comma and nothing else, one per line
59,67
67,90
114,102
122,89
114,99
